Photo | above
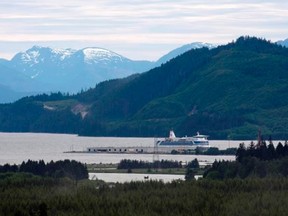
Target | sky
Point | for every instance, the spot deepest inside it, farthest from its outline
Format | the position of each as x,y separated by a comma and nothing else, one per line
137,29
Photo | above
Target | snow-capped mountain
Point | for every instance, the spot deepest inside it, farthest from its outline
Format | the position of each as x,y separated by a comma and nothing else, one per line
99,55
43,69
71,70
37,60
178,51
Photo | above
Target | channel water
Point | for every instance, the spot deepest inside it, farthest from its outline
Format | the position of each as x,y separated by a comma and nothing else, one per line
18,147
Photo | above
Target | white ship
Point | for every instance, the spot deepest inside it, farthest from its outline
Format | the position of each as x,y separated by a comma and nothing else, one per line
172,140
161,146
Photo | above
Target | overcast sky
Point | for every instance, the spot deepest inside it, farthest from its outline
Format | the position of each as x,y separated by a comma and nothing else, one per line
137,29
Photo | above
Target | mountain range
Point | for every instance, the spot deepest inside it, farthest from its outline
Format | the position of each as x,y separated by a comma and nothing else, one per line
43,69
228,92
283,42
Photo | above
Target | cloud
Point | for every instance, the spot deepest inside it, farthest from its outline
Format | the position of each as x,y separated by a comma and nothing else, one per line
128,23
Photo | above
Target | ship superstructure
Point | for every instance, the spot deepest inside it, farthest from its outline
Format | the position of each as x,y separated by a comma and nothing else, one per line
172,140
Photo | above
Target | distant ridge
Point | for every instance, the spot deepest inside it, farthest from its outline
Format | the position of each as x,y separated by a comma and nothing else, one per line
283,42
178,51
43,69
226,92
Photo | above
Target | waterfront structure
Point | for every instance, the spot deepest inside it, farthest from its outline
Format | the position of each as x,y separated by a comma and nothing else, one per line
169,145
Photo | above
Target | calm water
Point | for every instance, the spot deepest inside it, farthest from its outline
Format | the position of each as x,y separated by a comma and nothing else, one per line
125,177
18,147
128,177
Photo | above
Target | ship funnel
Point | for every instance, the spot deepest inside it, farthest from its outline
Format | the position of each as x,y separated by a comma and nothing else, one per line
172,135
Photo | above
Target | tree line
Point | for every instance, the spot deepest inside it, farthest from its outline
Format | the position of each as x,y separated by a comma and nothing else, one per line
59,169
209,151
139,164
191,168
256,160
262,151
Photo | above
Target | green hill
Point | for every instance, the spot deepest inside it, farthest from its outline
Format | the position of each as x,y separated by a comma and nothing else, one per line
229,91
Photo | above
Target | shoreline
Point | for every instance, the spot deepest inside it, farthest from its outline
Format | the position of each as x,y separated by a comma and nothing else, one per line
112,168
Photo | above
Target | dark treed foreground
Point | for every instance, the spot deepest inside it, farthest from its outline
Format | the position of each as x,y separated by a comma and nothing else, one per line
255,184
24,194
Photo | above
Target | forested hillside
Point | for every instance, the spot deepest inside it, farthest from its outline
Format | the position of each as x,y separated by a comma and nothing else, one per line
31,195
226,92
